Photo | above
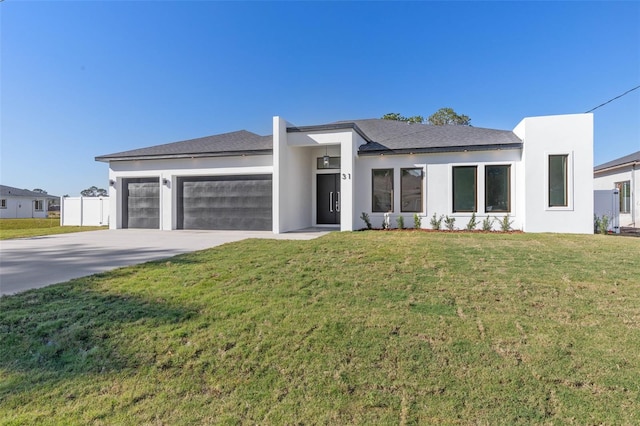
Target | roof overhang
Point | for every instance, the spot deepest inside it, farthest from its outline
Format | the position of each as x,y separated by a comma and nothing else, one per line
616,167
329,127
434,150
108,158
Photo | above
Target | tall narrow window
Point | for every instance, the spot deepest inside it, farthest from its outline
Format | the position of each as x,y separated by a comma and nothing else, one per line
625,196
411,190
497,189
3,203
558,176
464,189
382,190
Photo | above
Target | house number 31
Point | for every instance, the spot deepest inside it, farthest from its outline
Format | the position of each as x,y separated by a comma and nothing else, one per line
346,176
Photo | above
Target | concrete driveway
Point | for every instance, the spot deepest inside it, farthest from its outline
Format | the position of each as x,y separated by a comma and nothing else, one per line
36,262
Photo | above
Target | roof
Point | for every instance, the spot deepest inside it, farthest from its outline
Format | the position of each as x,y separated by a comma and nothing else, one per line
390,136
618,162
382,136
226,144
7,191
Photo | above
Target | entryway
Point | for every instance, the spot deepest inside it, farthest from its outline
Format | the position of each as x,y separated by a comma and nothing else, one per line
328,199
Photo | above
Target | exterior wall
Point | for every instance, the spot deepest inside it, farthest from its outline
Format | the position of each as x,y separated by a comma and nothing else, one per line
171,170
23,208
437,197
606,180
559,134
84,211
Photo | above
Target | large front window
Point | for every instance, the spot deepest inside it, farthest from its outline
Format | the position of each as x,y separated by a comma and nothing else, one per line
464,189
497,188
38,204
625,196
411,190
382,190
558,178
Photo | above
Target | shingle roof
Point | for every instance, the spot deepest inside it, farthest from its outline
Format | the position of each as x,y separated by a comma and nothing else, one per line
382,136
399,137
627,159
7,191
234,143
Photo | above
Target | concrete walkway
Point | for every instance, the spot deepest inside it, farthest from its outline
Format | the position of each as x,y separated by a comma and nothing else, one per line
36,262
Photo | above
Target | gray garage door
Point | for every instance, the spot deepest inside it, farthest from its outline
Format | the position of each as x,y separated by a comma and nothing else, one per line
225,202
141,203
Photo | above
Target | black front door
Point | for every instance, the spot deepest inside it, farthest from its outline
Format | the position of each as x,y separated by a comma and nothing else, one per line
328,199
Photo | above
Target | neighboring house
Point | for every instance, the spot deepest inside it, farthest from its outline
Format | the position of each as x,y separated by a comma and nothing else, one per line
622,174
16,203
540,174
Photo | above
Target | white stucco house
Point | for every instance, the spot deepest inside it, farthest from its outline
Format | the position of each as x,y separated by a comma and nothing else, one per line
621,175
540,174
16,203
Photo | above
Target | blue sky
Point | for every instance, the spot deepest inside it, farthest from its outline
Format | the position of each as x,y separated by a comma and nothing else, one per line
80,79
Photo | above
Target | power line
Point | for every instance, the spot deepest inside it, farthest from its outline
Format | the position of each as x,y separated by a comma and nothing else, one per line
613,99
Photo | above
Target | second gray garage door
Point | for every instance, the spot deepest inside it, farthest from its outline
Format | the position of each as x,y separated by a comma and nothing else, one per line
225,202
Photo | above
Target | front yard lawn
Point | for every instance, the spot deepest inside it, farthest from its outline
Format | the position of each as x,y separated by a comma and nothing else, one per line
24,228
351,328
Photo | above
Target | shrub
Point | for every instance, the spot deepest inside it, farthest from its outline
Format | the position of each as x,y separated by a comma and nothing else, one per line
472,222
417,221
604,224
505,224
436,223
449,222
400,222
366,220
487,223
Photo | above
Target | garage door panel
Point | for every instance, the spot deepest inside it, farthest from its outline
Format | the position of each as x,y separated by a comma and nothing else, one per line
141,207
225,202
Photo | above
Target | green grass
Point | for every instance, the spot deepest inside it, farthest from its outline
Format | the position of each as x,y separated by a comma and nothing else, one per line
24,228
352,328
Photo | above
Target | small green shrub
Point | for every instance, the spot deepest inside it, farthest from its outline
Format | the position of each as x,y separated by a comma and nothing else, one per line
400,222
472,222
449,223
417,221
435,222
604,224
365,218
487,223
505,224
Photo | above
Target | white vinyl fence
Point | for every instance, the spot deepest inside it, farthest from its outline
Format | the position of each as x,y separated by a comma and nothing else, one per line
84,211
606,202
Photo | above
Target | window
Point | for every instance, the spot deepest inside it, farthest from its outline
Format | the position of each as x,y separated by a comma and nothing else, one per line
38,205
558,186
411,190
334,163
382,190
3,204
625,196
464,189
497,189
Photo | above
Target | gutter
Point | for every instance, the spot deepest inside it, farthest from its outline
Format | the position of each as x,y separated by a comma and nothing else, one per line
633,164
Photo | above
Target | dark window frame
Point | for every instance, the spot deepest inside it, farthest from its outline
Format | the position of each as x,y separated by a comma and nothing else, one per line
38,205
486,191
373,190
402,194
3,203
551,203
453,189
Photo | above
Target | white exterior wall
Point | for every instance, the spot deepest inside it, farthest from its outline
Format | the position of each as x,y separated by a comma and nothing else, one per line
171,170
606,180
437,185
559,134
23,208
84,211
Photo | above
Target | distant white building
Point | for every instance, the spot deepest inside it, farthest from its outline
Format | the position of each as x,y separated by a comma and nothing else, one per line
540,174
622,174
16,203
